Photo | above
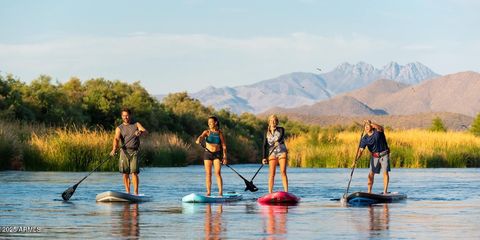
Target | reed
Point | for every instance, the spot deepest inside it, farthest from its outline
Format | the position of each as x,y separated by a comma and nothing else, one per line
71,150
14,136
165,150
8,149
410,149
83,149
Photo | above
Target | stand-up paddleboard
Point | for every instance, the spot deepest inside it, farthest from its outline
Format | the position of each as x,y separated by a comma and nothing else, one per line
372,198
113,196
197,198
279,198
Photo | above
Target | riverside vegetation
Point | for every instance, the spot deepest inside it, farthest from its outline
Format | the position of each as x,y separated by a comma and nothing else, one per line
332,148
69,127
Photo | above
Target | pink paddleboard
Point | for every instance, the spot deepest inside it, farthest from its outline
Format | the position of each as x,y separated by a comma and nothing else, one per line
279,198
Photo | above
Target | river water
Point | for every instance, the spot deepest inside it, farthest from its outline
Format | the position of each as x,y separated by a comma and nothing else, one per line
441,204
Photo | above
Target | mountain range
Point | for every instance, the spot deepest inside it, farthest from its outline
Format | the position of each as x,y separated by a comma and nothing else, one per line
301,88
454,98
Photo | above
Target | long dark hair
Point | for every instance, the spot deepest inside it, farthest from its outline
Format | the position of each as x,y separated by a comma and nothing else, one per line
215,119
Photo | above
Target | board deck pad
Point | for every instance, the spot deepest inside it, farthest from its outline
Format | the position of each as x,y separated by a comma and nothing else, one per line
114,196
279,198
372,198
198,198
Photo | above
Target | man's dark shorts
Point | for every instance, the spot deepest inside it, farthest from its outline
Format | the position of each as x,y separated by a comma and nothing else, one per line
380,163
128,162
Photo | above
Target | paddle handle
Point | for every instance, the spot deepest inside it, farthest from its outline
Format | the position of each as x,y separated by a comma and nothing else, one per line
271,151
354,163
236,172
105,160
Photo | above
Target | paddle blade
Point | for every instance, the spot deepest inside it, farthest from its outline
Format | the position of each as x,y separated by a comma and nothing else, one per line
67,194
250,186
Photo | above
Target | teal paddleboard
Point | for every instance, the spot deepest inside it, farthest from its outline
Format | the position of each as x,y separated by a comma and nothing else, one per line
197,198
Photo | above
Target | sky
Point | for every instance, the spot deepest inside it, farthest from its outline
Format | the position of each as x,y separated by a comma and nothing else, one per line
188,45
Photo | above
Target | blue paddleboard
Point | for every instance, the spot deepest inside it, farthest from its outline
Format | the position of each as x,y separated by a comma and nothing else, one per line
197,198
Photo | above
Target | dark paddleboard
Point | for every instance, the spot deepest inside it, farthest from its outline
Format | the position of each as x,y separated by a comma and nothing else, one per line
114,196
372,198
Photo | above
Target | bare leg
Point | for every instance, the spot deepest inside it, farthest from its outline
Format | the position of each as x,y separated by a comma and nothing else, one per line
217,165
386,179
208,175
135,183
126,182
283,170
272,164
371,175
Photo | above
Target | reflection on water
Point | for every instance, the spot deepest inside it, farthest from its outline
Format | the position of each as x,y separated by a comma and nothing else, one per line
372,220
214,227
275,221
448,210
124,220
379,220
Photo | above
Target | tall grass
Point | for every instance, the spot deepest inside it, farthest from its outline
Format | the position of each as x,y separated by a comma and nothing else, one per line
36,147
410,149
83,149
165,149
70,150
13,143
8,149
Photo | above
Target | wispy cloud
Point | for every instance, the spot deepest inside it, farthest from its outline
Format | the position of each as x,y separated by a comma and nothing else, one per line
421,47
173,62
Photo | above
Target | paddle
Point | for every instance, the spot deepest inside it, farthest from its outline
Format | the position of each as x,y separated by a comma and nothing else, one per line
67,194
354,163
262,164
249,184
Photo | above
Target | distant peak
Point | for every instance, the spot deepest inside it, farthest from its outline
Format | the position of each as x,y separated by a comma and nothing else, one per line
416,65
364,65
392,64
344,66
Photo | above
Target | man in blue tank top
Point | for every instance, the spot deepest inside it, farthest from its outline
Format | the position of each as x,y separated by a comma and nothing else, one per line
375,141
128,134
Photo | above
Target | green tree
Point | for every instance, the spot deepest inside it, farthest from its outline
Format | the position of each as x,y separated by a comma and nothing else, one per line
189,114
11,99
102,101
437,125
48,103
475,128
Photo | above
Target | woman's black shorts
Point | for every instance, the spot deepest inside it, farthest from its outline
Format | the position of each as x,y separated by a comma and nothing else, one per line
212,156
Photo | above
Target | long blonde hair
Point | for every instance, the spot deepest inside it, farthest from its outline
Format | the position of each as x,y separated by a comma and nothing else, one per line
276,121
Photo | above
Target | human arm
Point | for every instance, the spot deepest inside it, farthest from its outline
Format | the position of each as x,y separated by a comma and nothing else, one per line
201,137
376,126
281,137
264,150
140,130
116,140
224,147
359,154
